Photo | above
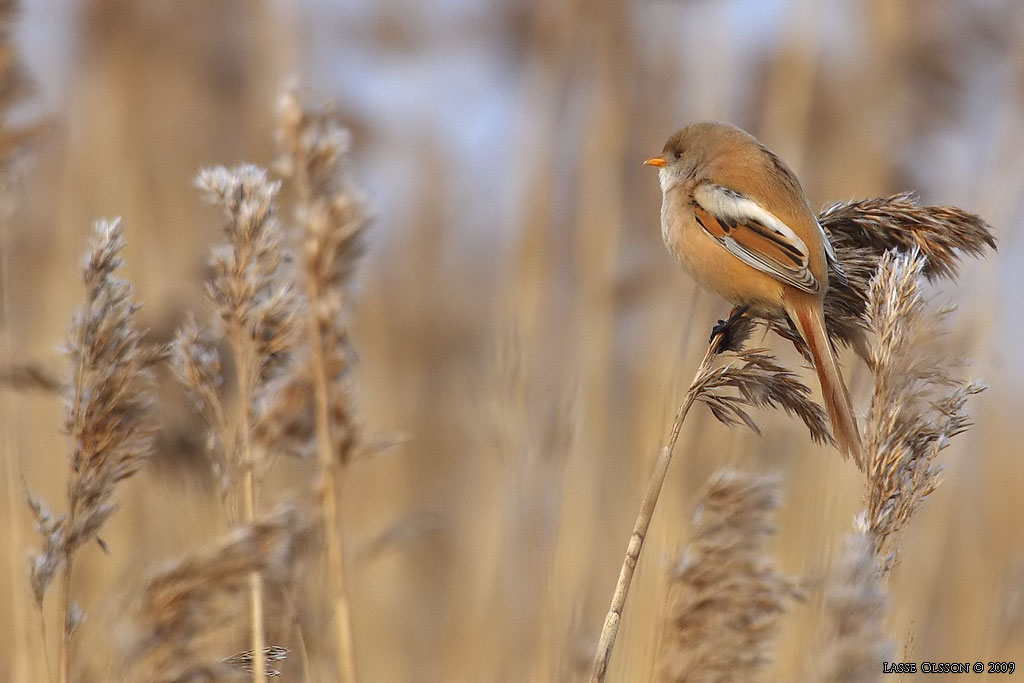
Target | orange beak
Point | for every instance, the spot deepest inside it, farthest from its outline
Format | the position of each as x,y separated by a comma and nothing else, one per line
655,161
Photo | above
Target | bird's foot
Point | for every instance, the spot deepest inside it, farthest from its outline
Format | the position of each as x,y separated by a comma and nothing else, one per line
723,330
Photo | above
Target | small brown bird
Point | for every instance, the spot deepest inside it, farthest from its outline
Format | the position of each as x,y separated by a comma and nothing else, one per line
735,216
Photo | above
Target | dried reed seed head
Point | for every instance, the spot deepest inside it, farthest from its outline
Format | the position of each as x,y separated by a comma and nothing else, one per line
45,564
197,365
284,417
314,156
313,146
852,641
759,382
201,592
726,598
251,284
109,410
899,222
331,216
916,405
247,198
862,231
110,414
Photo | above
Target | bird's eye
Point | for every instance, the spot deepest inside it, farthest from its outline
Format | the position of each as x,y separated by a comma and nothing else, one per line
678,154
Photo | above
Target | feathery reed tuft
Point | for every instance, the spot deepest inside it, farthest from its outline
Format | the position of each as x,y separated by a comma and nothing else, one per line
332,216
852,644
760,382
726,597
862,231
251,288
899,222
916,406
109,418
181,606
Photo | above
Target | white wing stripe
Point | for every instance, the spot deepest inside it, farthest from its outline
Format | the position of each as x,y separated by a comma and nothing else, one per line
721,201
733,208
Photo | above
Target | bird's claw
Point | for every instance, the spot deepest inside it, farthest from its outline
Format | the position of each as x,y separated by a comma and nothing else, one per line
723,330
720,330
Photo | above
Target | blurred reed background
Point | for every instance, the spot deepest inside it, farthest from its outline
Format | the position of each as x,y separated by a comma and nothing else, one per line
523,336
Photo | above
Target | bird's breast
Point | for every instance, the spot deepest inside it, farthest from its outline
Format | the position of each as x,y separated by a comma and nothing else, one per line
710,264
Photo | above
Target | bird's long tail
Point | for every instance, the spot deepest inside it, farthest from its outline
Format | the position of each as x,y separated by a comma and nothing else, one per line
810,322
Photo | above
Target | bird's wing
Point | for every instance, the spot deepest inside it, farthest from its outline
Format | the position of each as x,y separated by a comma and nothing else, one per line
754,235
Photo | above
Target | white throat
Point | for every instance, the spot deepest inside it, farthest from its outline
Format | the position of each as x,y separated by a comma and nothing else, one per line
672,175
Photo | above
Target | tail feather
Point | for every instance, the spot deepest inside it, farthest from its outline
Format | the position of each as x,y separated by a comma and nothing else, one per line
810,321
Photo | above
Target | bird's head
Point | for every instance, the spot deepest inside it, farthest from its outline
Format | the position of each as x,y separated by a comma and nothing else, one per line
692,147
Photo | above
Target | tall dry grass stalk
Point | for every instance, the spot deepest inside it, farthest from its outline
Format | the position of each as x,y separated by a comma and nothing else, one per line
254,297
726,597
285,316
109,420
917,406
331,215
852,642
758,381
183,606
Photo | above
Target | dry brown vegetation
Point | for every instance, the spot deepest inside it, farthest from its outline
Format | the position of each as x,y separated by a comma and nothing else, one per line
321,446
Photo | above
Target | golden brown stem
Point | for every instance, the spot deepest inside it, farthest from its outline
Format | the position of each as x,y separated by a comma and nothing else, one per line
257,636
328,491
643,521
259,668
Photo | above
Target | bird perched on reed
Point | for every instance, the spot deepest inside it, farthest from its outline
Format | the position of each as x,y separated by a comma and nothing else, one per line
735,216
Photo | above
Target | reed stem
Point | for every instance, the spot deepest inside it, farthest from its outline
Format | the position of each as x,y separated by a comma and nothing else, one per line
328,490
643,521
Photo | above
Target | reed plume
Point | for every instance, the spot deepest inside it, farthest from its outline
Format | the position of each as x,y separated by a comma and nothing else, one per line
183,605
331,216
109,420
917,406
759,381
250,288
852,643
726,596
862,231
